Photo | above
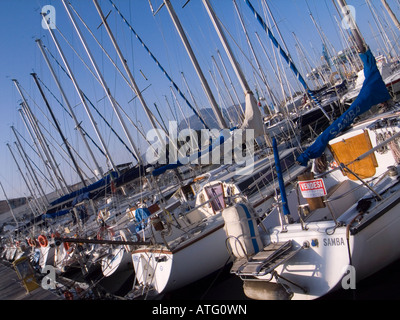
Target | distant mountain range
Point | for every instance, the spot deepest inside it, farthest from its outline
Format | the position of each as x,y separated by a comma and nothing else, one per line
210,119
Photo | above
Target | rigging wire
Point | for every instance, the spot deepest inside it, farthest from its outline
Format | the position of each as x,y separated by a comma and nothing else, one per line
159,65
93,106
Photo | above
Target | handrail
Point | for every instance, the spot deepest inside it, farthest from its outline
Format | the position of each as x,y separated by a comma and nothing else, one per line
96,241
344,167
230,251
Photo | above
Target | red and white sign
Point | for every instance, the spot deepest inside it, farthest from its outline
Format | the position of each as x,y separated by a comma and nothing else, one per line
312,188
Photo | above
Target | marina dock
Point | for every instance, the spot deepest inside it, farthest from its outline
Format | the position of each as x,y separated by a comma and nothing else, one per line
288,190
11,287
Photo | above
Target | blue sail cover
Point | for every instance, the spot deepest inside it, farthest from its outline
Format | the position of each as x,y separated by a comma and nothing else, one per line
55,214
372,92
94,186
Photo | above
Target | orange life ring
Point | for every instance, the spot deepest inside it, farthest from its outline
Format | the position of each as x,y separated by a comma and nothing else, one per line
68,295
68,247
43,241
32,242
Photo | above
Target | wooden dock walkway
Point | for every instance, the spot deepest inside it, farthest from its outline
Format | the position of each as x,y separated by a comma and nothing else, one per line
11,287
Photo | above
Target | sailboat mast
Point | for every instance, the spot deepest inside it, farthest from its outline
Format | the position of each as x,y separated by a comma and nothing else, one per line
276,27
262,74
9,205
223,82
379,26
225,44
34,123
78,170
273,97
231,83
286,57
361,47
33,195
253,117
210,96
71,111
194,109
83,100
28,163
42,141
103,84
391,14
129,73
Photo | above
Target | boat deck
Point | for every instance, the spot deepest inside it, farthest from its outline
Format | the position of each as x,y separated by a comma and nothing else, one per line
11,287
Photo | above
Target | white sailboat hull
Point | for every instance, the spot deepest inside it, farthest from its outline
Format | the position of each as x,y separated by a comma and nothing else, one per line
118,261
329,261
46,256
375,236
166,270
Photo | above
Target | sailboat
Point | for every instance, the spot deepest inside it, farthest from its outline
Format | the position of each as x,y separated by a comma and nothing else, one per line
306,114
390,73
389,69
193,239
339,224
187,245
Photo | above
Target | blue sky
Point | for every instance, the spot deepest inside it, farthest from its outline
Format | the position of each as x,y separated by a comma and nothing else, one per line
19,56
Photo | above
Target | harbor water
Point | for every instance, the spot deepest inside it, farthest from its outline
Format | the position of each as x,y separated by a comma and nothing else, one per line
384,285
223,286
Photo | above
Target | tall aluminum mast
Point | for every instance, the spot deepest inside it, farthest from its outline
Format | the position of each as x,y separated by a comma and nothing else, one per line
226,46
40,137
78,169
82,98
391,14
127,70
103,83
253,117
29,169
50,176
210,96
33,195
358,38
9,205
71,111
